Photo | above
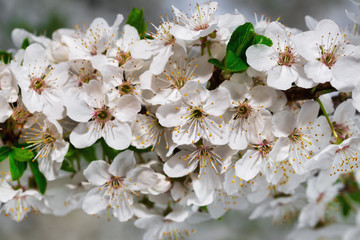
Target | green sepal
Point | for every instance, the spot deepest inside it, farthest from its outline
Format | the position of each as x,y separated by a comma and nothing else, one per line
38,176
25,43
5,57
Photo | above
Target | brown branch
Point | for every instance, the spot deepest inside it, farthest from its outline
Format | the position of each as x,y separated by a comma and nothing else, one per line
297,93
292,94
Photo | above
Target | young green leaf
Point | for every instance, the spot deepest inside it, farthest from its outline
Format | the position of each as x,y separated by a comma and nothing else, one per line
241,39
38,176
137,20
260,39
235,63
22,154
216,62
17,168
4,152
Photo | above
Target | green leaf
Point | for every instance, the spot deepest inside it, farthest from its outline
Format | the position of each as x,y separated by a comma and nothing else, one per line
4,152
241,39
89,153
38,176
22,154
355,196
70,152
25,43
216,62
66,166
134,149
235,63
345,206
108,151
260,39
137,20
17,168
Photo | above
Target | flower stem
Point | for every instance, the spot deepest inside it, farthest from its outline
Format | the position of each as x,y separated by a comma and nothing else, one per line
327,118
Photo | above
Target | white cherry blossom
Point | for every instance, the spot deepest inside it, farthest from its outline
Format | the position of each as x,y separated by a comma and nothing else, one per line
197,115
41,83
113,186
281,61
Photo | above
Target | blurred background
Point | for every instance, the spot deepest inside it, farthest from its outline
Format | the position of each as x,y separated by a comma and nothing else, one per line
44,16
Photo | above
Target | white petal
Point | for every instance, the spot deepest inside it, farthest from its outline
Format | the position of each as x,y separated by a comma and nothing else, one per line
179,165
113,130
263,96
217,102
94,202
283,123
261,57
6,191
344,112
127,108
281,77
122,164
249,165
194,93
160,60
280,150
97,172
318,72
84,135
78,109
308,113
173,114
5,110
311,22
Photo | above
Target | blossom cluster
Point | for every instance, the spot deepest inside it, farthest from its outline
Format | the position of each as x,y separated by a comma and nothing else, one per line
175,127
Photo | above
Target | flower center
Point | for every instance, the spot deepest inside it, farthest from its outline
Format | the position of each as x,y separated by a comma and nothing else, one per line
115,182
85,79
20,115
102,116
264,148
341,129
286,58
297,136
38,85
126,88
201,27
244,110
123,57
196,114
328,56
93,51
